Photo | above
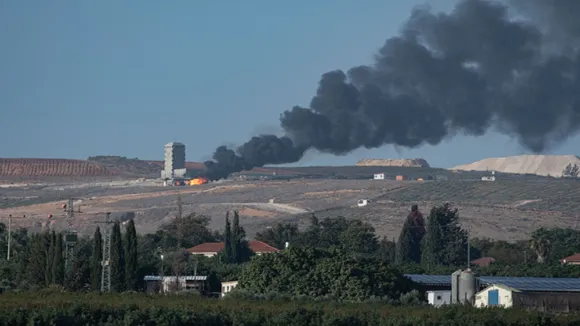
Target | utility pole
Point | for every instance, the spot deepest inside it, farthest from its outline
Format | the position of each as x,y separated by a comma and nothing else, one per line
71,237
9,236
106,262
469,247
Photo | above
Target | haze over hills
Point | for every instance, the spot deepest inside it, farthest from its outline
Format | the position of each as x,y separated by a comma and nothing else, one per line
544,165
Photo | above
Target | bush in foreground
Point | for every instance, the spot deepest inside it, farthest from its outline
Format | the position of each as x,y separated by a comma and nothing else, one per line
47,308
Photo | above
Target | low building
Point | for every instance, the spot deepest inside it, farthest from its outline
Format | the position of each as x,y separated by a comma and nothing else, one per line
571,260
557,301
210,249
534,293
483,261
170,284
228,287
439,298
379,176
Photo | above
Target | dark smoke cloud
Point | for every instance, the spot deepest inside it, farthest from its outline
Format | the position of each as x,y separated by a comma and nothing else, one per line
446,74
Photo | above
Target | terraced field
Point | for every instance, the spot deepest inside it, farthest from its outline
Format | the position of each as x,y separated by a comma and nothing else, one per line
52,168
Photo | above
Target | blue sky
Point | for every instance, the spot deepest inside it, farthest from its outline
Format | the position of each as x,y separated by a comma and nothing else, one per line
109,77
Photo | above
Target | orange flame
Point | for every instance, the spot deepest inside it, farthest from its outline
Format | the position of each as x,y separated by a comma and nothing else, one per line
197,181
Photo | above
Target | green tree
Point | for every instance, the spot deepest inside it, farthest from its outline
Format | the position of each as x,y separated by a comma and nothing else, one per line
240,250
226,255
58,261
412,233
50,239
359,237
387,250
279,234
131,263
37,259
540,243
96,260
311,236
329,273
445,242
117,259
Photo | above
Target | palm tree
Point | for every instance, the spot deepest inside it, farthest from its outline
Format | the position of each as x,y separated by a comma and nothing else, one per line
540,243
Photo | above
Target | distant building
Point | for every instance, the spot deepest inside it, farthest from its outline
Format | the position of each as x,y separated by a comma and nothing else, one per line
439,298
169,284
483,261
174,158
571,260
549,300
210,249
379,176
228,287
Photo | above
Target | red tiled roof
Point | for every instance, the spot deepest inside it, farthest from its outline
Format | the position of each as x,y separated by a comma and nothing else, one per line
483,261
255,245
574,259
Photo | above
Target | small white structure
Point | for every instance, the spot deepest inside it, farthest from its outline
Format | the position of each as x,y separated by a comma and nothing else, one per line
362,202
379,176
439,298
487,178
228,287
496,295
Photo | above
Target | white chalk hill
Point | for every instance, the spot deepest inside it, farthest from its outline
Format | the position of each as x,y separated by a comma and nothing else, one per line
545,165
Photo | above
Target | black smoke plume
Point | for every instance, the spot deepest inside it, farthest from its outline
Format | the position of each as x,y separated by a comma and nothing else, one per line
511,65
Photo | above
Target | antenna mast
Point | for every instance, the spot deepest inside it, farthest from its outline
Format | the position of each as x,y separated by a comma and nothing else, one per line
106,262
71,237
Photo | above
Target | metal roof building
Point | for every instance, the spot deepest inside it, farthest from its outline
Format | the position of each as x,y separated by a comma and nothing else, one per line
530,284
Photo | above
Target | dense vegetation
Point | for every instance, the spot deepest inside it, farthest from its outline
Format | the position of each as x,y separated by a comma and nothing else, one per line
50,308
332,262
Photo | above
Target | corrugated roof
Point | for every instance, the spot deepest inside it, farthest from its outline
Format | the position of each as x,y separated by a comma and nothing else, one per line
539,284
255,245
172,278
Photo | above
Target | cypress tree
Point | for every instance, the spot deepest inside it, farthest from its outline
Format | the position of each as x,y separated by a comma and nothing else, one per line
131,256
96,260
117,261
58,261
404,244
50,239
409,242
445,241
235,239
227,254
37,258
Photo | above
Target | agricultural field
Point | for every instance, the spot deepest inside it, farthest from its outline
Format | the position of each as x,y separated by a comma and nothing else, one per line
52,168
507,209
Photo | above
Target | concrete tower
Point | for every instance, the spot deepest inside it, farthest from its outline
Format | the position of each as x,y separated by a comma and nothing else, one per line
174,161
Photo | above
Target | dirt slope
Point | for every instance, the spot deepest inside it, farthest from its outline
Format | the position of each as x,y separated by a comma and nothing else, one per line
416,162
544,165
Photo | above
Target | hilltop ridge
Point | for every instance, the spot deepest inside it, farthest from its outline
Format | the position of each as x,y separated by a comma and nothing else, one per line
544,165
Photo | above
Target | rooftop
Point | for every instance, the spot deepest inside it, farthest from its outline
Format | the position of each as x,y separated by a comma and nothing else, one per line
532,284
571,259
255,245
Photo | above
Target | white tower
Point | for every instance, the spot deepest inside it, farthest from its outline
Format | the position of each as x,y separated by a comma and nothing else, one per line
174,157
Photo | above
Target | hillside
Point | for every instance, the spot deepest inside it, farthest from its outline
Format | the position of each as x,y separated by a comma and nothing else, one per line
53,168
544,165
416,162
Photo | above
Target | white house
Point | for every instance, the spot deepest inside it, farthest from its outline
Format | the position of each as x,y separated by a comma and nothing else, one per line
379,176
439,298
228,287
496,295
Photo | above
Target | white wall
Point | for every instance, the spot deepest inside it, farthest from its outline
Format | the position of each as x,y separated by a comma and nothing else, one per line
228,287
439,298
379,176
505,297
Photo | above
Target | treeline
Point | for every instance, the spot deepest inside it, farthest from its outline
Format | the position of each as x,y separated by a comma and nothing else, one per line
49,308
435,245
